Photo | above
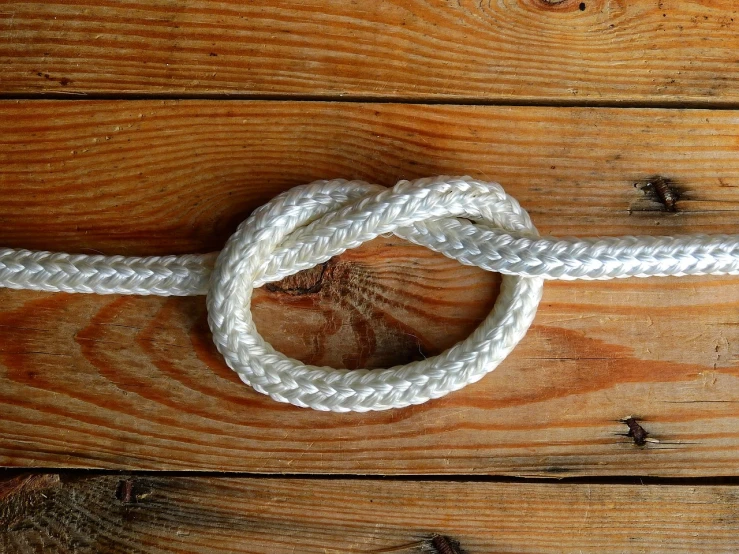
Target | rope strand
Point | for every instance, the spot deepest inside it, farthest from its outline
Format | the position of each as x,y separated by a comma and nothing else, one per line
471,221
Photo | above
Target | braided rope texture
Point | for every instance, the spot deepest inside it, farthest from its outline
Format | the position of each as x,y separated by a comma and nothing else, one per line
472,221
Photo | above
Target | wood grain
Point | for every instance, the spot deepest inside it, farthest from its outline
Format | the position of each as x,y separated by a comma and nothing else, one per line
153,513
113,382
530,50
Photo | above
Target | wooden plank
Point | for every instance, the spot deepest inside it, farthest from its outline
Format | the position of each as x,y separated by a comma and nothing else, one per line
567,50
113,382
184,514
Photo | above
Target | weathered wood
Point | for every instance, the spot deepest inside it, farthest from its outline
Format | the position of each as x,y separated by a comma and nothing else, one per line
112,382
150,177
592,51
183,514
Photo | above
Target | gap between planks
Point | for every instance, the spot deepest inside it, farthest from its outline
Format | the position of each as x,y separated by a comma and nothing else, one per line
9,473
708,103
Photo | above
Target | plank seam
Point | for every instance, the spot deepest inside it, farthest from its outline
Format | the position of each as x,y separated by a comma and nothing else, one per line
701,104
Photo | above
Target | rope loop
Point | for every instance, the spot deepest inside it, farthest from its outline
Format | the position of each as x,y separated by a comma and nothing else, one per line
308,225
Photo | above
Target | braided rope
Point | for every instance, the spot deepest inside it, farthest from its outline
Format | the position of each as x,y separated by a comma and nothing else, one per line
309,224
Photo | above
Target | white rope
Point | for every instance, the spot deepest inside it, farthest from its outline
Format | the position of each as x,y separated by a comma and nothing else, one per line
471,221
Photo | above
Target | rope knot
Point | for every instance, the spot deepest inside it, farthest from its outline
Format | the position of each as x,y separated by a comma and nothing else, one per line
307,225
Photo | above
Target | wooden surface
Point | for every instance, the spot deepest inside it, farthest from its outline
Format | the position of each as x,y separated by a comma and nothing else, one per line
132,383
151,513
163,177
529,50
156,127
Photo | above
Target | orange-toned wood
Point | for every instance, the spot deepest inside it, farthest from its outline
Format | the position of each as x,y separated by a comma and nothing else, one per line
529,50
155,177
111,382
155,513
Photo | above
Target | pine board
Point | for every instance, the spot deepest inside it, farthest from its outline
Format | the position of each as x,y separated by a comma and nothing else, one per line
155,513
134,383
597,51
